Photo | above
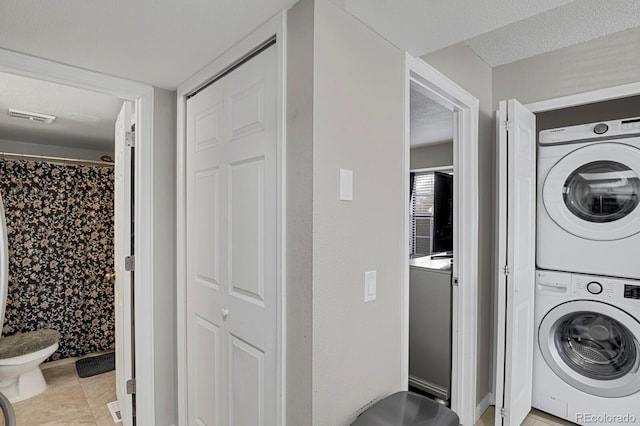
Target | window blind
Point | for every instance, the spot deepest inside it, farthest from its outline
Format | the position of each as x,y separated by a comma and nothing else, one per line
421,214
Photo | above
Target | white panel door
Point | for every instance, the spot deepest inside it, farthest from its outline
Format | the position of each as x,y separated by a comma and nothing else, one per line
122,248
516,262
231,247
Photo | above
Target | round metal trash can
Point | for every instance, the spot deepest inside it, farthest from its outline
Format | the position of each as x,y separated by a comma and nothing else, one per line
407,409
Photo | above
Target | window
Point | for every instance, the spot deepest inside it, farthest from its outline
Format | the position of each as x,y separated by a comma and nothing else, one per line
421,211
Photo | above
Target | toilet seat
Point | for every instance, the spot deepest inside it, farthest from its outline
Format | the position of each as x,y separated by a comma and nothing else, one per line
27,343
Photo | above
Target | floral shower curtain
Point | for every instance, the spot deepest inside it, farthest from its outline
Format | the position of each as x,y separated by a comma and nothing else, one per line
60,234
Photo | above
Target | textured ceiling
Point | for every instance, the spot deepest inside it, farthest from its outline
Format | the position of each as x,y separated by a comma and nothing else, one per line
564,26
161,42
421,26
85,119
164,42
431,123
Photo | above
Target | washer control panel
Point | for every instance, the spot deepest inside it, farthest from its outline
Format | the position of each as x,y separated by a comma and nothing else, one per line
632,291
610,290
584,285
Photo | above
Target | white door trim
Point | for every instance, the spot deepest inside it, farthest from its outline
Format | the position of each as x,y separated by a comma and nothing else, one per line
465,268
142,95
593,96
274,27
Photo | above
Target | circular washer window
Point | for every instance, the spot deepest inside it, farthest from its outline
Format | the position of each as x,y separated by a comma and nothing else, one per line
593,192
593,347
602,191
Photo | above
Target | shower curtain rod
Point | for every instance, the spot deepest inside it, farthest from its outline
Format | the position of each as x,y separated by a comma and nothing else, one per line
33,157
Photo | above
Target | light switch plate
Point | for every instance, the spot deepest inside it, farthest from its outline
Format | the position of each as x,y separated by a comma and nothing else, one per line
346,185
370,278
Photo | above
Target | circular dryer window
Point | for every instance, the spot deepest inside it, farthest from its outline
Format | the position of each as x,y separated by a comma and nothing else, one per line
594,191
602,191
591,347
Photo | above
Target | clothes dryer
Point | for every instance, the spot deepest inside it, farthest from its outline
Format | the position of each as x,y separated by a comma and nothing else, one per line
586,361
588,218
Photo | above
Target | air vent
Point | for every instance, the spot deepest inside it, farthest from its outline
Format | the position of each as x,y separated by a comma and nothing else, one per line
32,116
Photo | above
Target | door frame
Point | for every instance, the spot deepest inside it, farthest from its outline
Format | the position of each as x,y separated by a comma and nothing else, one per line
465,269
142,95
566,101
275,27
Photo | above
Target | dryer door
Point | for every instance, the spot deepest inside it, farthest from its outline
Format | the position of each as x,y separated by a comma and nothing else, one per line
592,346
594,191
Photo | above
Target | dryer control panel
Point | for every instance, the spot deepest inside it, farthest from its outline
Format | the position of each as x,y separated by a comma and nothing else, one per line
626,126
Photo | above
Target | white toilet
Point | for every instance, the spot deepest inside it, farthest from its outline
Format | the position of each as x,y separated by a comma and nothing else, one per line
20,354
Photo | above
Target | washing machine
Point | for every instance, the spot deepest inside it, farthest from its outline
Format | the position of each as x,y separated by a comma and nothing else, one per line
586,362
588,218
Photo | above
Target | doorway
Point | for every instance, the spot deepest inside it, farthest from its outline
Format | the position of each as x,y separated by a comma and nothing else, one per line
63,199
464,298
142,96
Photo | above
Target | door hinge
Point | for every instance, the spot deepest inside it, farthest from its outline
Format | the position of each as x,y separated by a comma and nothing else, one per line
506,269
130,139
130,263
131,386
503,413
455,281
507,125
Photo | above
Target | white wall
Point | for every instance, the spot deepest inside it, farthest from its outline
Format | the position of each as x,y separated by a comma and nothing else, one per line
358,125
464,67
164,257
20,147
425,157
300,28
604,62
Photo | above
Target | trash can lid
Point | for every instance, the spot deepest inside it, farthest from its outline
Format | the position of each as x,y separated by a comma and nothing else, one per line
407,409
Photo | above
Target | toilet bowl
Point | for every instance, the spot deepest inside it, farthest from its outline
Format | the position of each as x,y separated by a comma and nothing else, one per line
22,353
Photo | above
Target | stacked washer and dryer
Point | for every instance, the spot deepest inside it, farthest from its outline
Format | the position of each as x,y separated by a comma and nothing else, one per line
587,307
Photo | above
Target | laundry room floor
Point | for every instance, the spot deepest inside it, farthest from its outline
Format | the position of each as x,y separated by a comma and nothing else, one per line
535,418
69,399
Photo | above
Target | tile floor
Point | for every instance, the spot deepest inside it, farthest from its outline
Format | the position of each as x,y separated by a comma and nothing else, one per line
535,418
69,400
72,401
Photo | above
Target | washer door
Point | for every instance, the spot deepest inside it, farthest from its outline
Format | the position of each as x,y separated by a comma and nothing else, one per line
594,192
593,347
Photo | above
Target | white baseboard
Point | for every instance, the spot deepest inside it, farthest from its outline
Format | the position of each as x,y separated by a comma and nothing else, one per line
483,405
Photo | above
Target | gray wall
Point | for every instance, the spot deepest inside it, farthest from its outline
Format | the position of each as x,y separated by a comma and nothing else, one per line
356,345
19,147
300,28
604,62
164,257
429,156
464,67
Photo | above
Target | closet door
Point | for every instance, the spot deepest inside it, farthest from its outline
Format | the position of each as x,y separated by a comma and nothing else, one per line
231,247
516,262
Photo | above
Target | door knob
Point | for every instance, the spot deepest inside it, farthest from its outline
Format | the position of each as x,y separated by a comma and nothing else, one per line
225,313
